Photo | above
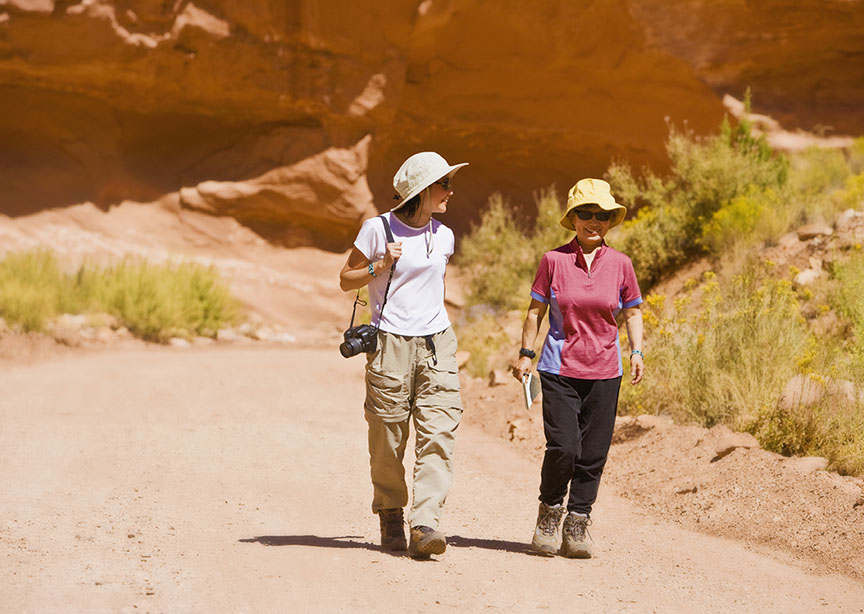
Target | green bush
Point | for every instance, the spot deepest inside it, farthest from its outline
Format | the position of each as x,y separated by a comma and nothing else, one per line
817,169
156,302
480,334
717,360
847,300
33,289
500,258
706,174
856,156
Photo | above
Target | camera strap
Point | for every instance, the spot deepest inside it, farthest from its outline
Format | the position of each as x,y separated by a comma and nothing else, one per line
390,239
357,300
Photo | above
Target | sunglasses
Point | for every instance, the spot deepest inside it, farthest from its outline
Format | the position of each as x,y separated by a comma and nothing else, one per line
585,215
445,183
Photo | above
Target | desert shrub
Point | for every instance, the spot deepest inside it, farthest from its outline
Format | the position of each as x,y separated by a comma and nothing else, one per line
706,174
726,356
500,257
847,300
33,289
832,428
746,219
856,156
496,258
155,302
851,195
481,334
817,169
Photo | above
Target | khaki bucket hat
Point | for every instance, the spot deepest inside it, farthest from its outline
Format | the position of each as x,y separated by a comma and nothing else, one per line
419,172
593,192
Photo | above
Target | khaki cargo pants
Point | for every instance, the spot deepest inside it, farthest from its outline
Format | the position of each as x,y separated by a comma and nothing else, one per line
404,384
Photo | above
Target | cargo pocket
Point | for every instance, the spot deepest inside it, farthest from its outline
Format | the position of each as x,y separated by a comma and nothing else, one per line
441,387
386,396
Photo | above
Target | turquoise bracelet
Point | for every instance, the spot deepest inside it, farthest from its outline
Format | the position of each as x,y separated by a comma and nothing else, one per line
638,352
372,270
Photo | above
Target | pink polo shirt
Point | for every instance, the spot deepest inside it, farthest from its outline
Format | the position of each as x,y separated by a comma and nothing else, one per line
583,335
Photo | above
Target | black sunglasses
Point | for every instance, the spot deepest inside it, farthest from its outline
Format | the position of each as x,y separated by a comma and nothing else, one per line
445,183
585,215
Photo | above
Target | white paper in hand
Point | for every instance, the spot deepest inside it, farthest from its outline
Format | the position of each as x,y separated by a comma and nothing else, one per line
531,386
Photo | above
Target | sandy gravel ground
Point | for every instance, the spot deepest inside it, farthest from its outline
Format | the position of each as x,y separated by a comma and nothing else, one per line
236,480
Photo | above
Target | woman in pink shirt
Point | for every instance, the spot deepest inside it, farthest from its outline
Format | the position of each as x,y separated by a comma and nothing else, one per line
584,285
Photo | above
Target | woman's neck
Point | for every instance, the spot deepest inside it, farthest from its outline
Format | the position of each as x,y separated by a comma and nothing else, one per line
590,249
418,221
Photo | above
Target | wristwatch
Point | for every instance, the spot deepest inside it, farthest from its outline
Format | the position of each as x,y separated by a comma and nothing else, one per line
527,352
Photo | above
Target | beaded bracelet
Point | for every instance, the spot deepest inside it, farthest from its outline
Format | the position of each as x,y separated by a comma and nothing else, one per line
637,352
372,270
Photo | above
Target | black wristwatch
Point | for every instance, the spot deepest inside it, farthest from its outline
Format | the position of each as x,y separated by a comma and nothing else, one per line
527,352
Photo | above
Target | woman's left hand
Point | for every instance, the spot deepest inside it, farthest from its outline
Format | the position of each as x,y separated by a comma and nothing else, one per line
637,368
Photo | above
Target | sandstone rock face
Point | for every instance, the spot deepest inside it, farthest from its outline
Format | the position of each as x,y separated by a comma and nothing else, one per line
293,116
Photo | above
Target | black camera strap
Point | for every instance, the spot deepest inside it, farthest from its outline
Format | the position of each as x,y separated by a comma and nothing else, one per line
357,300
390,239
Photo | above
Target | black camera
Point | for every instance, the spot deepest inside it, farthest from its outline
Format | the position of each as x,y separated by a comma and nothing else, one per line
363,338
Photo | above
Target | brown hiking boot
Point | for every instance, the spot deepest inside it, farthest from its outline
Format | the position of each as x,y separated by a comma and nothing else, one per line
547,537
392,529
426,541
575,544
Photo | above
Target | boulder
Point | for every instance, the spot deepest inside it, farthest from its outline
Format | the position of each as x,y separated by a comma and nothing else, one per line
499,377
806,391
811,231
720,441
807,277
809,464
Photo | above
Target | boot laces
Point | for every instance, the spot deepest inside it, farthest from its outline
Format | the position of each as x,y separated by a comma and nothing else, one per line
577,527
550,521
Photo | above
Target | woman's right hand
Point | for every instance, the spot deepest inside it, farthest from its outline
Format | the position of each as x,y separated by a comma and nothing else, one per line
520,367
393,253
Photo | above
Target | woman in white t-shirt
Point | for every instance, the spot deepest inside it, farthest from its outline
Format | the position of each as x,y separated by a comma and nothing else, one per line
412,374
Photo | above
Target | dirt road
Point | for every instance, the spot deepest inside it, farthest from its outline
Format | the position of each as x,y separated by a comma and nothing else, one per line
236,480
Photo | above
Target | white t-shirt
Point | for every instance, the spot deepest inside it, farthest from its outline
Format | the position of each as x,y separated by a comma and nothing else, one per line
415,303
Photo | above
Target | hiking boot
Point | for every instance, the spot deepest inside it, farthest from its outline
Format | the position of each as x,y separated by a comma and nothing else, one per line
426,541
575,544
547,536
392,529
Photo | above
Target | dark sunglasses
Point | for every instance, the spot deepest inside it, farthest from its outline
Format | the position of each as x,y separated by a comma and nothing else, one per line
445,183
585,215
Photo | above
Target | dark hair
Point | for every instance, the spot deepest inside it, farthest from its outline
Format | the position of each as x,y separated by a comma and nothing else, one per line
409,209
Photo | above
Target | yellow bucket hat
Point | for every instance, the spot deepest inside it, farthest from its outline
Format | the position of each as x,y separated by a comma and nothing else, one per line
593,192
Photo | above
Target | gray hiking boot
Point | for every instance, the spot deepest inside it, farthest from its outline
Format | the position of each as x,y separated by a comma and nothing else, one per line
392,529
547,536
426,541
575,544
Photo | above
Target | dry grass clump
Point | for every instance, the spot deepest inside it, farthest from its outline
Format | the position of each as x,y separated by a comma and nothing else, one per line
155,302
720,359
724,352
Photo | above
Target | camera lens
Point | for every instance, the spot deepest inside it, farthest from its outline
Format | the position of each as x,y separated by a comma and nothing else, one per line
350,347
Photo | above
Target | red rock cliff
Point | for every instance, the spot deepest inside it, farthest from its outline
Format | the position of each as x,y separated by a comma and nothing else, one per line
289,116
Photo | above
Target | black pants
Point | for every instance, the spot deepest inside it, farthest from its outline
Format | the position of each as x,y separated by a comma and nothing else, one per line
578,418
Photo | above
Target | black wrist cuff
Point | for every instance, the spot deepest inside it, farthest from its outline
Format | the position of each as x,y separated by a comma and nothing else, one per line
527,352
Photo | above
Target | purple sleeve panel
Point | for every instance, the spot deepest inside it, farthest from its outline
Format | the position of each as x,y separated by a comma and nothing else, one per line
539,297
